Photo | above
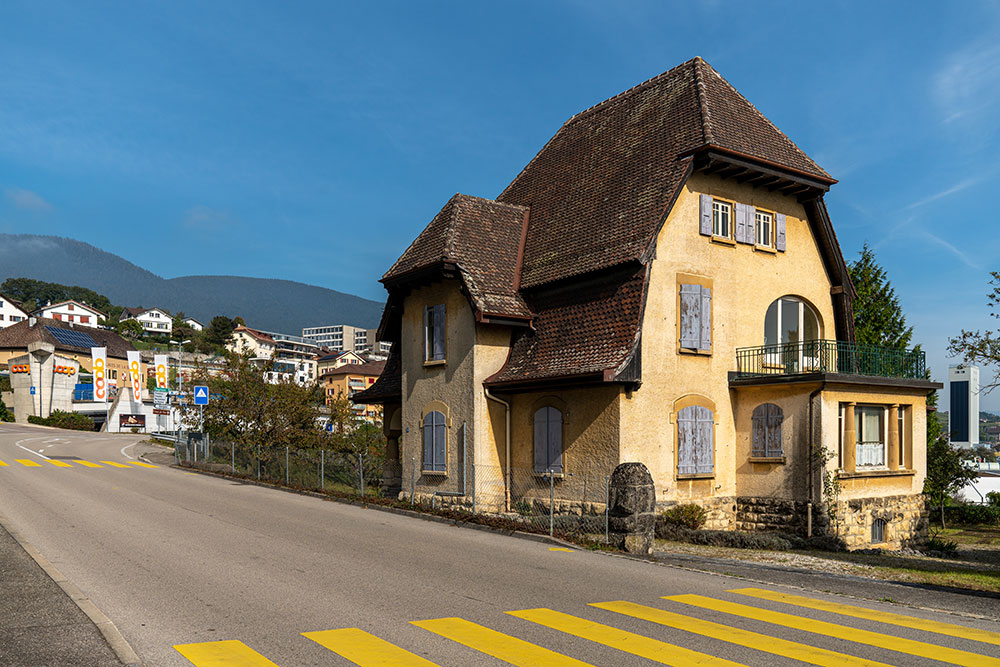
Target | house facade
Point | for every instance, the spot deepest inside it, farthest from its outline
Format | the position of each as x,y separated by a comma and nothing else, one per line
74,312
294,357
661,283
10,312
350,379
153,320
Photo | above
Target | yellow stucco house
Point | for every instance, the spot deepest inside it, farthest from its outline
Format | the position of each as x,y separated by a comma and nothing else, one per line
662,284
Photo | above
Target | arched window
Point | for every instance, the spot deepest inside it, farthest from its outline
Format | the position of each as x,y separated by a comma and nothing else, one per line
435,443
767,419
695,441
548,440
790,320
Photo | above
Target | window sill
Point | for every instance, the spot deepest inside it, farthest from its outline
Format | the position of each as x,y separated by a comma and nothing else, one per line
554,475
697,475
765,248
435,473
881,472
435,362
723,240
767,459
699,353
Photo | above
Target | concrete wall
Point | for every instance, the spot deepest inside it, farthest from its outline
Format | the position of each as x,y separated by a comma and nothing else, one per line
53,391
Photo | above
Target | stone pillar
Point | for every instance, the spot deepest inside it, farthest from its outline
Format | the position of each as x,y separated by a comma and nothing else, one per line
892,442
850,444
392,469
631,518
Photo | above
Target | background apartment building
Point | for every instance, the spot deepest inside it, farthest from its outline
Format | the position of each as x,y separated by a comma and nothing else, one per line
344,337
963,413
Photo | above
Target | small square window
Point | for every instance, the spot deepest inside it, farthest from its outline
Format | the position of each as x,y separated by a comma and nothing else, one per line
722,216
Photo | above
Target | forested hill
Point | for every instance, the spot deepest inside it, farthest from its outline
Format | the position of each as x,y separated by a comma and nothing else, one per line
273,305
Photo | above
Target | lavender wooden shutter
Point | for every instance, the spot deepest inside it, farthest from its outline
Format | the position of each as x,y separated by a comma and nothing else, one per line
541,444
751,224
427,333
774,419
759,446
705,227
555,439
439,331
687,433
705,445
429,442
440,444
779,232
690,316
705,330
741,224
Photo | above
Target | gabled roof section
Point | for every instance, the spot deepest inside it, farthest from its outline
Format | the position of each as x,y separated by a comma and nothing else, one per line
36,329
482,238
70,301
253,333
601,186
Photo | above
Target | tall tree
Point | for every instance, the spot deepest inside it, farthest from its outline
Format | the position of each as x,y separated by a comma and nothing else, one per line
219,330
36,293
878,317
946,470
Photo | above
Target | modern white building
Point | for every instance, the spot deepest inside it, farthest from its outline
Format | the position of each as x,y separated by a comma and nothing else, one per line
10,312
963,411
294,357
153,320
346,337
76,312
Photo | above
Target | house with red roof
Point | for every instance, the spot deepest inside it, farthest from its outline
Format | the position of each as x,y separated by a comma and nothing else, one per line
661,283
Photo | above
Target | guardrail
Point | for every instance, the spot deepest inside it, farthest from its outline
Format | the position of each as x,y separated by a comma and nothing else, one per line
829,356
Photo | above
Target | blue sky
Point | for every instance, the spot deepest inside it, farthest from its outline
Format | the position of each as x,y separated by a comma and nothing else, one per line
313,140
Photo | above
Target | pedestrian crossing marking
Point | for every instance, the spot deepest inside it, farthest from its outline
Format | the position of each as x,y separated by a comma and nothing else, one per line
561,549
88,464
365,649
783,647
222,654
115,465
911,622
900,644
143,465
2,464
29,463
60,464
629,642
509,649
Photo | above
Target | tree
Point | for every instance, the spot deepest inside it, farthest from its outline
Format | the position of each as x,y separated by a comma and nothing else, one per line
130,329
982,347
219,331
946,471
36,293
878,317
5,414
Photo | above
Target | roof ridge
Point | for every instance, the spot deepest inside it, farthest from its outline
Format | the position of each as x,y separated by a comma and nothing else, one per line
452,225
700,94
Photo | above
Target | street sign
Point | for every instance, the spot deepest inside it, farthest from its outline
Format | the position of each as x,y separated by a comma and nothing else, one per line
201,395
329,428
32,391
160,396
161,411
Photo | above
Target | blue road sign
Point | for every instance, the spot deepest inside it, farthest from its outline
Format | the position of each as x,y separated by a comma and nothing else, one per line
201,395
32,391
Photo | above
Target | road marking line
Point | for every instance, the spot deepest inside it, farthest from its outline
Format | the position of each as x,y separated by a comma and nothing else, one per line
89,464
220,654
2,464
60,464
116,465
29,463
509,649
142,465
127,447
755,640
561,549
900,644
629,642
365,649
30,451
912,622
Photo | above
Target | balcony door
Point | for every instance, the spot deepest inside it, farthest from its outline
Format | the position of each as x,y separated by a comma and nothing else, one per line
788,324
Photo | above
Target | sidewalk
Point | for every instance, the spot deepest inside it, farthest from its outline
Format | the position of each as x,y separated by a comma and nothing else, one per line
39,623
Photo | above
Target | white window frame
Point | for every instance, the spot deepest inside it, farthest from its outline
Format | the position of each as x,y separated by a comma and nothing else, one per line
722,225
866,450
762,220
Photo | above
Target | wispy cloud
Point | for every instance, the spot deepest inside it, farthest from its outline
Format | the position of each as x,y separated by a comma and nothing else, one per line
204,218
958,187
968,83
937,240
27,200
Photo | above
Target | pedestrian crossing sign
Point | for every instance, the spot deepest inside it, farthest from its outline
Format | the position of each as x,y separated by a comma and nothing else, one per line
201,395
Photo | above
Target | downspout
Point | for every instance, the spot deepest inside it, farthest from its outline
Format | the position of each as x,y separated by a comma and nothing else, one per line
506,431
812,462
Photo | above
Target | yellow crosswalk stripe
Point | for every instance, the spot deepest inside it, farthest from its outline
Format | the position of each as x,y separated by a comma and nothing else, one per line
60,464
509,649
115,465
651,649
755,640
143,465
2,464
365,649
908,646
912,622
29,463
88,464
229,653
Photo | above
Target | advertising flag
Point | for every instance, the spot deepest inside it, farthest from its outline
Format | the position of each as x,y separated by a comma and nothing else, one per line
99,363
135,374
160,361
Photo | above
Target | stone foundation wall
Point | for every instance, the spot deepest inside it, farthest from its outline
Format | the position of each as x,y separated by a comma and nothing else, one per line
906,521
721,512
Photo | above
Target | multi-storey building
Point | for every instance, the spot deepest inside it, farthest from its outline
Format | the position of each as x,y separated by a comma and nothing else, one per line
10,312
75,312
349,380
963,411
153,320
346,337
294,357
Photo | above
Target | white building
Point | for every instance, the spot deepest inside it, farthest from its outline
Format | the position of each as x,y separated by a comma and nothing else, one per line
193,323
346,337
963,410
153,320
294,357
76,312
10,312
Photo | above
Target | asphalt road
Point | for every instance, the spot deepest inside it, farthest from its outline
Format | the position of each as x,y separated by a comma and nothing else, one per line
176,558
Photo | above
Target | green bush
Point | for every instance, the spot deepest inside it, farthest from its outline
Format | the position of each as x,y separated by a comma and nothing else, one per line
69,420
972,514
993,498
688,516
5,414
946,547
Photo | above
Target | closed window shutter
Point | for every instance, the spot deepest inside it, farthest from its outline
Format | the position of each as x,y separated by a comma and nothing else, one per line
706,450
705,329
440,445
555,440
439,331
541,443
751,224
741,224
779,232
427,333
774,419
705,226
687,434
690,316
429,442
759,446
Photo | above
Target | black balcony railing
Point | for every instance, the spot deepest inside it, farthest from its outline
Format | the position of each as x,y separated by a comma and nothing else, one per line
829,356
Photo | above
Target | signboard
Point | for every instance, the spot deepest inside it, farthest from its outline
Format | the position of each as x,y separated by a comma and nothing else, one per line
32,391
161,411
135,374
160,396
99,363
160,366
201,395
132,421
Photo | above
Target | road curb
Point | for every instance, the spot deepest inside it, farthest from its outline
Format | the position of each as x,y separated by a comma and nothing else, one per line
105,625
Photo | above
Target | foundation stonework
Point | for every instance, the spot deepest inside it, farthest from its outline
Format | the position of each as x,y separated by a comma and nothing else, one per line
906,521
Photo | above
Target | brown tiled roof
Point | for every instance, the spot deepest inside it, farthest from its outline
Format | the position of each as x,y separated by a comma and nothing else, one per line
22,334
372,368
482,237
601,186
259,335
389,386
74,302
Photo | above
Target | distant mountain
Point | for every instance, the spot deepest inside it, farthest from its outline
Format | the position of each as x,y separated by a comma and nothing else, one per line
274,305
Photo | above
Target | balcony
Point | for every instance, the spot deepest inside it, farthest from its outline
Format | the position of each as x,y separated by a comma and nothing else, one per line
828,356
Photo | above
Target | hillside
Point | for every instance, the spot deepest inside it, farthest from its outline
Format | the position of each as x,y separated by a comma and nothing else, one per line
274,305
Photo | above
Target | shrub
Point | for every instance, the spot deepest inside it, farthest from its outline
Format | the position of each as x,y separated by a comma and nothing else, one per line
69,420
993,498
688,516
5,414
947,547
972,514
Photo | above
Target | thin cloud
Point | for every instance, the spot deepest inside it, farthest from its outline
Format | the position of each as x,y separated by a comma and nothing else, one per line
27,200
205,218
958,187
950,248
967,84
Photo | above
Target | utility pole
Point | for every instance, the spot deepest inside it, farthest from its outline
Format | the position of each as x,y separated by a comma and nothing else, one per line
180,356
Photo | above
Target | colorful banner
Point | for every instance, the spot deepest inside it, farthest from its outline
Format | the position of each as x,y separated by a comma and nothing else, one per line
135,374
99,363
160,362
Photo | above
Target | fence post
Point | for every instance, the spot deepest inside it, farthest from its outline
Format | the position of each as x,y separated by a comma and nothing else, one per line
413,477
552,502
607,507
258,462
474,488
232,455
286,466
361,474
322,470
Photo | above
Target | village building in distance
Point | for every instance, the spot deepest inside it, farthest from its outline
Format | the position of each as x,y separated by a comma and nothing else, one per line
661,283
